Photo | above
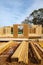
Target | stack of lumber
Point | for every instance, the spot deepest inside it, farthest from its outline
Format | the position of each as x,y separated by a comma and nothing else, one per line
39,49
5,46
34,53
21,54
15,52
9,51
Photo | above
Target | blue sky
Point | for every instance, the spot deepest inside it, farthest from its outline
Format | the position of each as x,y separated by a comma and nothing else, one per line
15,11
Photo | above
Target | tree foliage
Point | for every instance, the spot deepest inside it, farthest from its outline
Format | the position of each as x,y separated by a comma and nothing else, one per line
36,17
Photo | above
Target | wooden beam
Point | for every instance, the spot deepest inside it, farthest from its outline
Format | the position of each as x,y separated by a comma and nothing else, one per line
36,54
5,46
6,55
21,53
39,47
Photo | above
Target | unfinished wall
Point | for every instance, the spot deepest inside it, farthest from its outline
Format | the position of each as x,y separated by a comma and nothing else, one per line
39,29
36,29
8,30
32,29
1,31
25,31
12,31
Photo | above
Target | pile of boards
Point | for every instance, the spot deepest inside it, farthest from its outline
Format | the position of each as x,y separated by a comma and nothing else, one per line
23,52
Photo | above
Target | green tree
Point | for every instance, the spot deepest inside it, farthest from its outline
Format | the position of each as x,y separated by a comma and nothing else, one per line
37,16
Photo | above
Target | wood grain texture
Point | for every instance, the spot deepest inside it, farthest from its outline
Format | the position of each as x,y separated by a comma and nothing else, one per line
5,46
21,53
39,47
35,52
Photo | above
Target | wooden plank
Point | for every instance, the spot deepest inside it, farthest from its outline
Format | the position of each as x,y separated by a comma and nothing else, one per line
41,43
34,35
6,55
2,43
41,49
36,54
5,46
21,53
14,39
24,54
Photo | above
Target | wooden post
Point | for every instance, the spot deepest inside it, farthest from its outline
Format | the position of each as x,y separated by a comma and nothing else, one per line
15,31
25,30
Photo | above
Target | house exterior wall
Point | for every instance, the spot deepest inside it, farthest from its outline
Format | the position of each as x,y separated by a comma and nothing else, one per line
25,30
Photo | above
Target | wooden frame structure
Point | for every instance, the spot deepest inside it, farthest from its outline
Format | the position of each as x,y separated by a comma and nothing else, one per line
25,31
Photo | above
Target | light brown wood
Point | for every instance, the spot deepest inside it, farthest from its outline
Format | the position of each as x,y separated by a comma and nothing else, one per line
5,46
15,31
21,53
41,43
39,29
35,52
25,30
39,47
6,55
34,36
1,30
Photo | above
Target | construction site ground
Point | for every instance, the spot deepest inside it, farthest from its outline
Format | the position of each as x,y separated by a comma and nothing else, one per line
12,47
